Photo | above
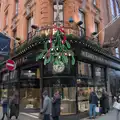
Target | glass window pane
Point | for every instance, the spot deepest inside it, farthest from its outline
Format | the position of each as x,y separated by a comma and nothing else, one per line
68,100
112,8
84,69
83,90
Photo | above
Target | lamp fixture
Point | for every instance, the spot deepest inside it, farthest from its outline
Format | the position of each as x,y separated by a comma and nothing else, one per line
94,33
34,27
71,20
79,23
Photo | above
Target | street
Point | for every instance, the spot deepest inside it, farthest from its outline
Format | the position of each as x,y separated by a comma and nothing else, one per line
34,116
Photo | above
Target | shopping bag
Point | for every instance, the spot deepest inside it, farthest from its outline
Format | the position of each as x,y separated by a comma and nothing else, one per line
116,105
97,109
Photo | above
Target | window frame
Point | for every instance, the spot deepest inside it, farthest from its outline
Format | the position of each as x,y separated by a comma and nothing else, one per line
16,7
61,11
112,8
94,2
6,19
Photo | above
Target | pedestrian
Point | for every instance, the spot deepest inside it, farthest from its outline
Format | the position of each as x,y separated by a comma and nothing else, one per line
105,102
118,110
56,103
14,104
4,107
47,106
93,101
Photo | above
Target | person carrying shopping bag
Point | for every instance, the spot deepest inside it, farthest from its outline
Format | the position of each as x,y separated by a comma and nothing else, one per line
4,107
93,101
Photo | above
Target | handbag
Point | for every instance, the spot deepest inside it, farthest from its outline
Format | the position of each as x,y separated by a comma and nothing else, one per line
116,105
97,109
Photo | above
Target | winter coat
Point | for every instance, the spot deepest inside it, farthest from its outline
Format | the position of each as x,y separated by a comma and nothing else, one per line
47,106
105,101
56,103
93,99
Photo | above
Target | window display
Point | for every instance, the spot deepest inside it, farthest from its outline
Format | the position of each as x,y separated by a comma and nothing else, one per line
83,92
68,98
84,69
30,88
30,98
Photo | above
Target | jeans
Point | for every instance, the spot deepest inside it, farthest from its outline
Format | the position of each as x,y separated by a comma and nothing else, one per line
46,117
92,110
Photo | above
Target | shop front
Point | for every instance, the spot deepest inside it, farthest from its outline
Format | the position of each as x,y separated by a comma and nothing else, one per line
73,81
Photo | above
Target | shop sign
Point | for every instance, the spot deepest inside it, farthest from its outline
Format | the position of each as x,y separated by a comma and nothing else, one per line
99,59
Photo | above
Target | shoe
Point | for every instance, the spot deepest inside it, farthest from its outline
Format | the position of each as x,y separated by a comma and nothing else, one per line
90,118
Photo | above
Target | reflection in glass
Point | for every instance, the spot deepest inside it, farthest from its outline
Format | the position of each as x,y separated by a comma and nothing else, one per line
68,98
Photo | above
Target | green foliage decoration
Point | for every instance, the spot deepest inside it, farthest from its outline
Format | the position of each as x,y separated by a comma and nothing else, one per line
57,49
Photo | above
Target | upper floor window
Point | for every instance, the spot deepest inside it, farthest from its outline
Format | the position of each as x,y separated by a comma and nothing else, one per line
58,17
6,19
96,27
16,6
82,18
117,8
117,52
112,9
29,24
94,2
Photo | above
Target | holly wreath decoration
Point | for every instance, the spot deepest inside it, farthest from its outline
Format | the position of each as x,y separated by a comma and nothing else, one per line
58,49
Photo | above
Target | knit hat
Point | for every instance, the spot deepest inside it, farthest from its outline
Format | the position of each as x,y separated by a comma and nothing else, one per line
45,92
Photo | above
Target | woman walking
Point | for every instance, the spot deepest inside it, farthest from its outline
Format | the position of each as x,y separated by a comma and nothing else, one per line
56,106
5,108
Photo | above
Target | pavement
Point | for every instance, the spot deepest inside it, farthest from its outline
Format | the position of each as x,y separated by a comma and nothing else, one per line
34,116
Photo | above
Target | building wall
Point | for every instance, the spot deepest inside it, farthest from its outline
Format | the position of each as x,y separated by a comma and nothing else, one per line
108,17
42,12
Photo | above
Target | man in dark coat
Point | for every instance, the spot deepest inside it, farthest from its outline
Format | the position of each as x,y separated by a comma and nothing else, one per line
56,106
93,101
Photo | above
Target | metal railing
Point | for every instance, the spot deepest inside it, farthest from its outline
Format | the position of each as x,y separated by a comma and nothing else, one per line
46,30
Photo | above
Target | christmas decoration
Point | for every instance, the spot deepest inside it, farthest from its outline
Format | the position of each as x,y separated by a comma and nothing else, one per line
57,49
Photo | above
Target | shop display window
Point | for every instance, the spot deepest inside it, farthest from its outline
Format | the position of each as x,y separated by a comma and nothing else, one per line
30,98
68,98
84,69
83,92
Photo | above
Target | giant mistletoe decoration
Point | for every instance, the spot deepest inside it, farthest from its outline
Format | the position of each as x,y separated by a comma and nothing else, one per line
57,48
